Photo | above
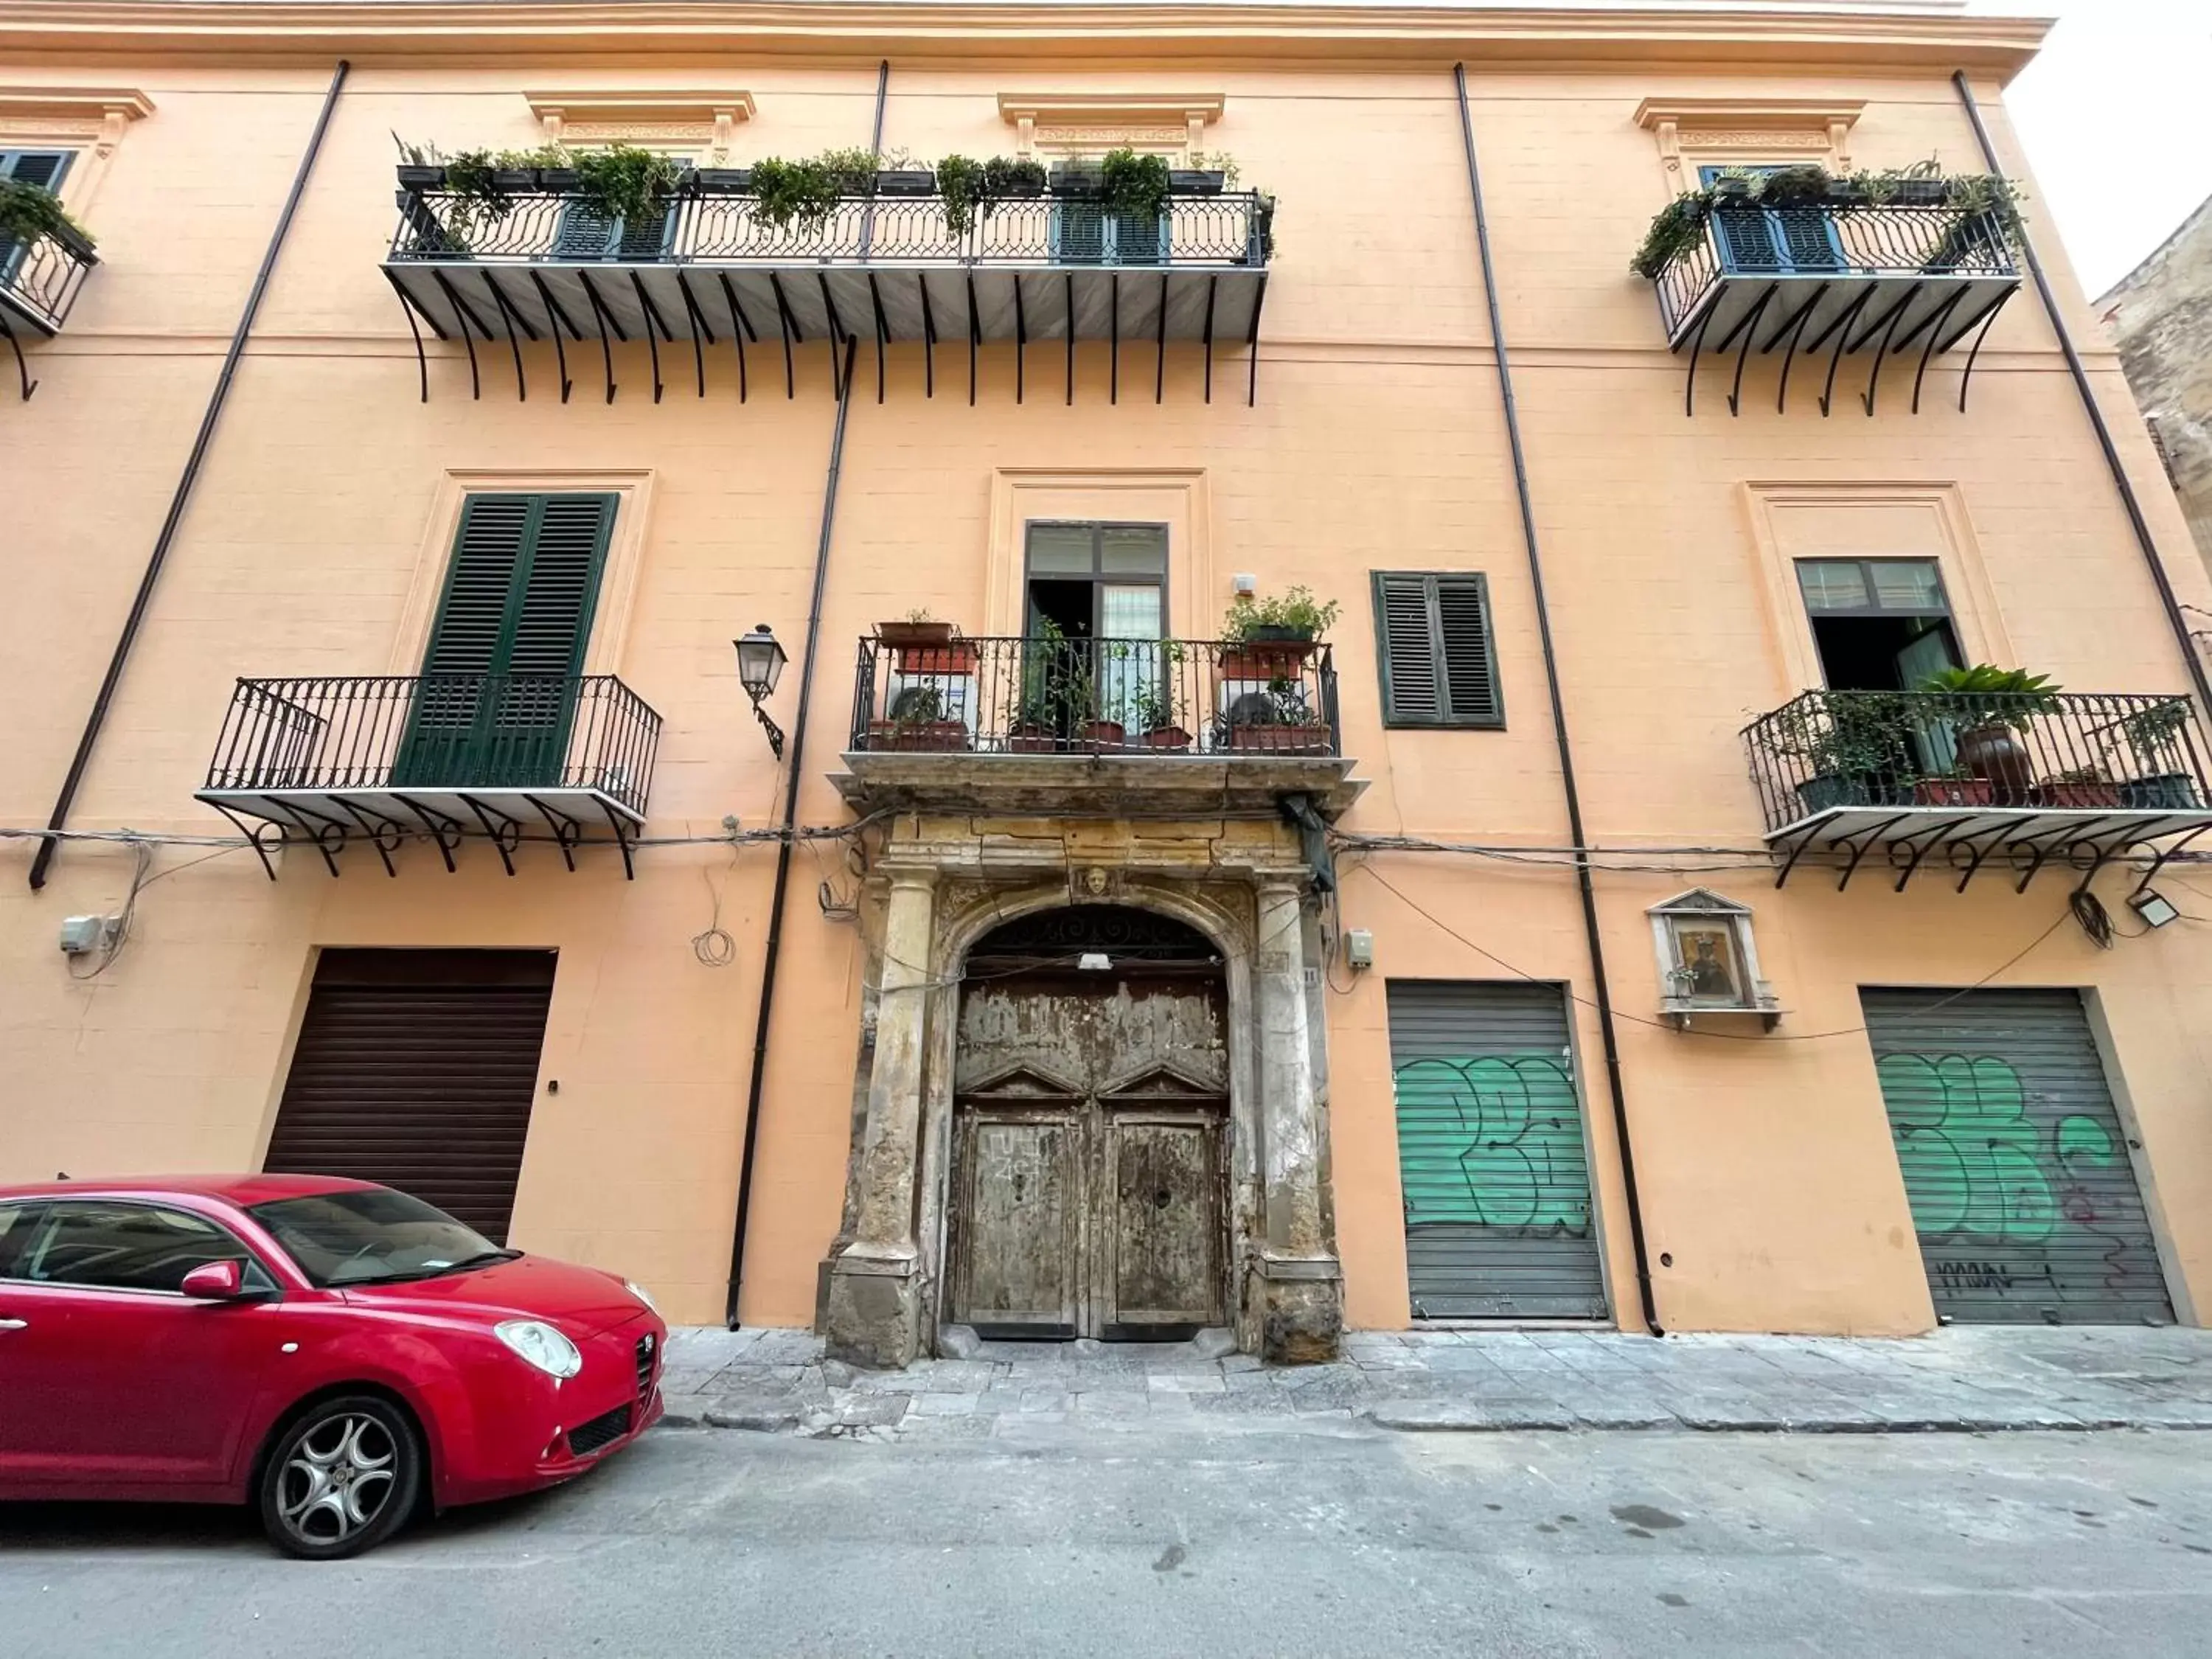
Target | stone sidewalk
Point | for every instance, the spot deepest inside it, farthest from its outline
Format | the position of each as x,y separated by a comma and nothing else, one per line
1961,1380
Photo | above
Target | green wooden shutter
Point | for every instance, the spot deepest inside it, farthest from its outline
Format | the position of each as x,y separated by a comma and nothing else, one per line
499,674
1078,233
1433,639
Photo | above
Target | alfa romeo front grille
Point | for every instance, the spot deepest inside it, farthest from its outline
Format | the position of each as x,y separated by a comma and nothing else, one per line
602,1431
647,1351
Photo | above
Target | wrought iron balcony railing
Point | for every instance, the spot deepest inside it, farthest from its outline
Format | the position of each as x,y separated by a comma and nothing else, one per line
1063,696
1868,753
40,278
38,283
1838,277
1834,242
699,228
710,272
439,733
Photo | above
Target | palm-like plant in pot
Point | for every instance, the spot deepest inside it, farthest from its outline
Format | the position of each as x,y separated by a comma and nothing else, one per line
1987,711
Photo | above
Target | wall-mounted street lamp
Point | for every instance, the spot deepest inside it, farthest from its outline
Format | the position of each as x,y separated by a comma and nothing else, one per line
760,665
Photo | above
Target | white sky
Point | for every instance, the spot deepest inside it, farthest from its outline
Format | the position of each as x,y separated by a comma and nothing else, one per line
2113,115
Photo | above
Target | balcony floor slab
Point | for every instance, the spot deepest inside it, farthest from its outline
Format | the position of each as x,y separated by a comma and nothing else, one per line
1105,786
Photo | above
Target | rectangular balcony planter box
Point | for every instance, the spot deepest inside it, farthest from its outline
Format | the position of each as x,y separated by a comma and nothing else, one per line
959,657
912,635
1279,739
1259,659
2076,797
1029,738
422,177
557,178
1106,734
905,181
932,737
724,181
514,178
1076,183
2170,792
1166,739
1196,181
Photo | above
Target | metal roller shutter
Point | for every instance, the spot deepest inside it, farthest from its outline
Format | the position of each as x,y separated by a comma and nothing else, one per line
1490,1152
418,1068
2014,1160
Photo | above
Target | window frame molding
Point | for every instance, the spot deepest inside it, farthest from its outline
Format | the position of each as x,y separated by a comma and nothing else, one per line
91,121
609,637
1495,721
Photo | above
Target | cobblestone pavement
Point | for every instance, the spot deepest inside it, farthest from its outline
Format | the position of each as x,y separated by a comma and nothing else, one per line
1959,1380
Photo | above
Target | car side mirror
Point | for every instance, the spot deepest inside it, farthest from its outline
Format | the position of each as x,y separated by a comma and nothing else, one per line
215,1281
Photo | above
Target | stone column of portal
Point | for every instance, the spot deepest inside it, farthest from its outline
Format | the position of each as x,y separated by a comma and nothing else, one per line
1302,1284
874,1314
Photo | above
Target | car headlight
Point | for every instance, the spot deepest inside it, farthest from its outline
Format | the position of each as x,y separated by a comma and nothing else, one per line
542,1345
638,1290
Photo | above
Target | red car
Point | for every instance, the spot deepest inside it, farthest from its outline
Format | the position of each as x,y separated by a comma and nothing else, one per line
335,1353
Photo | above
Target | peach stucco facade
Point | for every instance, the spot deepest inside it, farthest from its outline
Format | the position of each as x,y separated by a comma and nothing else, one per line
315,542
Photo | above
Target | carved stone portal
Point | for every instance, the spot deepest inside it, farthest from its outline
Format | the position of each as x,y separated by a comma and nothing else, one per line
1089,1119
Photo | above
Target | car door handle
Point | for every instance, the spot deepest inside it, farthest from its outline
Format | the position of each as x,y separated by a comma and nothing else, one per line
13,1324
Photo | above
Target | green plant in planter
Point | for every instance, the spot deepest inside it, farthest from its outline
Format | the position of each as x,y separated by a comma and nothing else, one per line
960,185
2153,735
624,182
1854,737
806,193
2009,696
1798,186
1133,184
918,705
1294,614
1680,227
29,211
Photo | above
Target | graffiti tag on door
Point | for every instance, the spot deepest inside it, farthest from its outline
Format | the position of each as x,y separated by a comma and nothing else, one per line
1974,1163
1498,1142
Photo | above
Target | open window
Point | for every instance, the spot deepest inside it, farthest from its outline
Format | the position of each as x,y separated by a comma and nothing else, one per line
1878,624
1102,589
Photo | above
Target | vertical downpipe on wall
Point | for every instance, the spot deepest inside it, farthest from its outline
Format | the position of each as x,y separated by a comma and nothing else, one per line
1583,885
773,947
2144,539
51,841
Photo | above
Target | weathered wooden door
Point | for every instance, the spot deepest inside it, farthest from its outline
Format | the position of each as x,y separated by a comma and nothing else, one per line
1090,1157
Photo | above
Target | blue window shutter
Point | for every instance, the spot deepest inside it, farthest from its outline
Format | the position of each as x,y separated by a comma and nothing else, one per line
1078,233
43,167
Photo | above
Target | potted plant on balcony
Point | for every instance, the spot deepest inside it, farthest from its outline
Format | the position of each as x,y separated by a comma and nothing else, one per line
896,174
2079,788
1278,720
918,630
919,722
1133,185
29,212
1205,174
1157,703
624,182
1988,708
421,165
1854,744
971,188
1269,638
2164,782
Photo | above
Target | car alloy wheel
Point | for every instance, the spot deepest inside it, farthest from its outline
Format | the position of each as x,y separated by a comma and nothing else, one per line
343,1478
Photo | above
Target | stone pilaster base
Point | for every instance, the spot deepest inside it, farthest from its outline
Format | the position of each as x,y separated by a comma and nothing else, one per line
873,1314
1301,1310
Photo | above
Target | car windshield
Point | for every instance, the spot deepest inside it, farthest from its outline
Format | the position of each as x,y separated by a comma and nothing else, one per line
373,1236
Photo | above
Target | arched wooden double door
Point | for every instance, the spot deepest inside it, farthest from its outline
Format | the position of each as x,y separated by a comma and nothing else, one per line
1090,1161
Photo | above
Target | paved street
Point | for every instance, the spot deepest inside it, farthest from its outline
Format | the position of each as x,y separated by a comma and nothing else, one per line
1964,1378
1318,1537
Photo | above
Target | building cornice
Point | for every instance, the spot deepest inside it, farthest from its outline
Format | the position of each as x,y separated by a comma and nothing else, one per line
623,31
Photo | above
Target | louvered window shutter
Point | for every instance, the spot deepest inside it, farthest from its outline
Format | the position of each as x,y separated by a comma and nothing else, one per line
1078,233
42,167
1434,639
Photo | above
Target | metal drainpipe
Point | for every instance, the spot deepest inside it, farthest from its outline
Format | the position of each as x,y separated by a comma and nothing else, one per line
774,945
50,842
2143,538
1559,727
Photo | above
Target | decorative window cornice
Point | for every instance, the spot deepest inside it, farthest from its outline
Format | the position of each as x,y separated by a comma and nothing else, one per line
97,113
1063,121
707,118
1812,129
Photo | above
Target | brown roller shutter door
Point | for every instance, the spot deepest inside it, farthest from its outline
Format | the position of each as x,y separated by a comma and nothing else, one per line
418,1069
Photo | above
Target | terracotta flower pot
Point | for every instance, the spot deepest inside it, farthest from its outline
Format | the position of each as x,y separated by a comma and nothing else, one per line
2076,796
1167,737
1953,792
958,658
1031,739
1106,734
1279,739
906,635
1996,752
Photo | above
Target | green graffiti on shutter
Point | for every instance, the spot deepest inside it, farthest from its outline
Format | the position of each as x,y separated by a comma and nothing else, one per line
1973,1161
1494,1140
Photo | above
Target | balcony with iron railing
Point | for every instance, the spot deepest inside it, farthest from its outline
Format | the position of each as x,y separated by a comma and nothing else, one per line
386,760
40,276
1081,725
1836,278
1960,780
711,274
